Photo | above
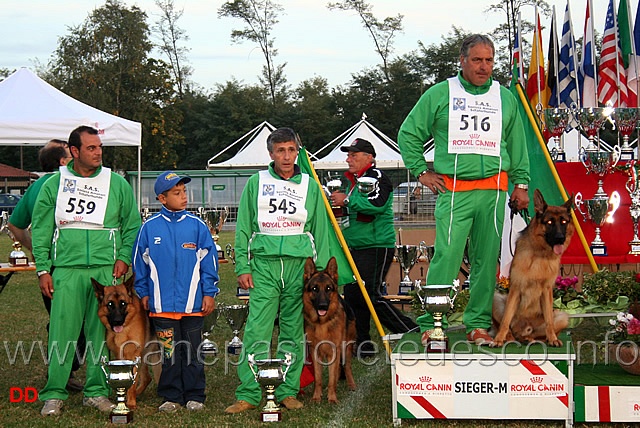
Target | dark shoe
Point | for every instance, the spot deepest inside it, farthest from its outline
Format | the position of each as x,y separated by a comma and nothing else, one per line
74,385
480,337
292,403
239,406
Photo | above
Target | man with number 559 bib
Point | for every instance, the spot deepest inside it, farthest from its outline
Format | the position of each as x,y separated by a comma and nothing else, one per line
85,222
479,146
281,222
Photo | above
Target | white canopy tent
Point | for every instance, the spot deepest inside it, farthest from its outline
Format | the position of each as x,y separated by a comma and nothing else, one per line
252,154
387,152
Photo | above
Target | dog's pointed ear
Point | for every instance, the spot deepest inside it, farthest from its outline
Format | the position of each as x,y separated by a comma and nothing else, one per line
569,203
332,268
98,288
309,268
539,203
128,284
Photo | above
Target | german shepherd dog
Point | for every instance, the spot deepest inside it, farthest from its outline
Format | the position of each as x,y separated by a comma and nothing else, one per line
528,314
330,326
129,333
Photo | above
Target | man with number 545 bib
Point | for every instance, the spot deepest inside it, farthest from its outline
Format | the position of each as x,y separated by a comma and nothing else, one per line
479,146
85,223
281,222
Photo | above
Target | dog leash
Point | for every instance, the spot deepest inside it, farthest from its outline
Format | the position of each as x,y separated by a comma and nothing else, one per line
524,213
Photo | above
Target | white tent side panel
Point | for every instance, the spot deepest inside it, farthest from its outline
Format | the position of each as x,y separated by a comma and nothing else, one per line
33,112
253,154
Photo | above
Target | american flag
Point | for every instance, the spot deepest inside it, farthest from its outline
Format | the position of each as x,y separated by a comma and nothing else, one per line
611,64
516,66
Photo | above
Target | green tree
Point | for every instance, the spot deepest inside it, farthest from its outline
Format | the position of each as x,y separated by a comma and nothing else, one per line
382,32
170,38
259,17
105,63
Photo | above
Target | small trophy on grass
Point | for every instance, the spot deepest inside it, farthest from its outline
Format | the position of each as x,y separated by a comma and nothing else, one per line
270,374
120,374
236,316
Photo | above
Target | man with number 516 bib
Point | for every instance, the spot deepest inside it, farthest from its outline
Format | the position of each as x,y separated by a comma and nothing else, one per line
281,222
479,145
85,222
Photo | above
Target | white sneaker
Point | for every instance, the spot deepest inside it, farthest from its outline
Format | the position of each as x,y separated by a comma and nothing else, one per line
169,407
52,407
101,403
194,405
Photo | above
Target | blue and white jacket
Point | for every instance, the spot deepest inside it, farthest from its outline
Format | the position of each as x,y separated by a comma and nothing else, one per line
175,262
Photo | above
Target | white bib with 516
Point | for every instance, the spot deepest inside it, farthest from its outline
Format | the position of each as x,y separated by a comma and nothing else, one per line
475,121
82,201
281,205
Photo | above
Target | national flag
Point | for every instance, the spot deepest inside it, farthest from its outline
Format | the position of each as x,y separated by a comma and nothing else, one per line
552,64
587,72
567,64
612,84
629,43
536,82
345,273
517,69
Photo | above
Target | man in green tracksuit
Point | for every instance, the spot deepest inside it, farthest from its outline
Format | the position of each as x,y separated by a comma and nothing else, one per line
479,146
85,222
280,224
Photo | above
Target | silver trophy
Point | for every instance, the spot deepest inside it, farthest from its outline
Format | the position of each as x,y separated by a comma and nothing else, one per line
145,214
334,183
121,375
626,120
408,256
236,315
600,163
591,120
270,374
367,185
634,208
17,257
438,300
208,347
598,210
556,121
214,220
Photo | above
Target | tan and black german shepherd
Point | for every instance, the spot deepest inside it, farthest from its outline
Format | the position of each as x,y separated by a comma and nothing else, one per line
526,312
330,326
128,333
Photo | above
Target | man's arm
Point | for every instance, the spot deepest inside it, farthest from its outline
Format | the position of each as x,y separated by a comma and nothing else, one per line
244,227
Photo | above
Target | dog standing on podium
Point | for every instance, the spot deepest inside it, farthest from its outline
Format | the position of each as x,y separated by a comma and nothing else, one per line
526,313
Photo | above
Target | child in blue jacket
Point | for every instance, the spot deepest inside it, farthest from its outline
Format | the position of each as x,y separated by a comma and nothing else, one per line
175,263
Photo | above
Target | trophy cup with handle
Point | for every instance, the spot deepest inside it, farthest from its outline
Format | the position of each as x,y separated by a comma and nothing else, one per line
438,300
120,374
208,347
634,208
17,257
236,315
591,119
408,256
270,374
333,183
600,163
214,220
556,121
598,210
626,120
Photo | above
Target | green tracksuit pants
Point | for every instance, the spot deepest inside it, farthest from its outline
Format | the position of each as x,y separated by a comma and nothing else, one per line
474,216
278,284
73,302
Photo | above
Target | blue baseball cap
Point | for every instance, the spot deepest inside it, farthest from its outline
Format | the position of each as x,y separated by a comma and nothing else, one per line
167,180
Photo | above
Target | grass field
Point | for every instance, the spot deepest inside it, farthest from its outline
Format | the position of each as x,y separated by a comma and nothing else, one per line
23,318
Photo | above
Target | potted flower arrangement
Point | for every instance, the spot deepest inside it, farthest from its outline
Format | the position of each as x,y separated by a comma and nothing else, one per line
568,299
608,291
626,337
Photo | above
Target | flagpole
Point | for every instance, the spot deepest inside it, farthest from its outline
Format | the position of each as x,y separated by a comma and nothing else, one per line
618,54
347,253
554,30
574,59
538,43
556,177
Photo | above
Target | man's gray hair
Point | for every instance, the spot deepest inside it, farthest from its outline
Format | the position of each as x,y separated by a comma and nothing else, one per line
282,135
475,39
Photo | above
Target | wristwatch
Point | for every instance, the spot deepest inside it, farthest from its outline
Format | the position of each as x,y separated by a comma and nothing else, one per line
522,186
42,272
345,201
422,173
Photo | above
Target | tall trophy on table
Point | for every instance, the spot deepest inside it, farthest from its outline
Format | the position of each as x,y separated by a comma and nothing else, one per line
626,120
556,121
17,257
591,120
634,208
438,300
408,256
599,210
